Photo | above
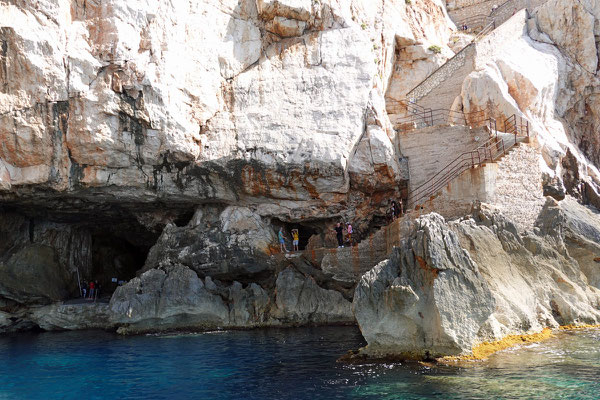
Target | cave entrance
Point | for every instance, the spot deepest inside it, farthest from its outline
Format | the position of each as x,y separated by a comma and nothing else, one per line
114,259
304,233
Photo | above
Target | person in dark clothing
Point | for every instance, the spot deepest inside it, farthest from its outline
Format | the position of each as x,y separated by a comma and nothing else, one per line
397,210
394,210
339,233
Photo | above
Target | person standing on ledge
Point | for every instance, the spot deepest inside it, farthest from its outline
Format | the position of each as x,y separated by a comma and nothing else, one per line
91,292
281,240
296,238
339,233
349,233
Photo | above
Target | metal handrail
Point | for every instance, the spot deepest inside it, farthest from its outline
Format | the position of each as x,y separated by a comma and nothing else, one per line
464,161
409,106
430,117
487,152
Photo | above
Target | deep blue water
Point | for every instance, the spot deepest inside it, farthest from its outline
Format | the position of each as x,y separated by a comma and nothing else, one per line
280,364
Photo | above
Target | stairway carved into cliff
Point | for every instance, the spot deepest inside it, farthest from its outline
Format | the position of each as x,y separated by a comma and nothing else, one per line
439,89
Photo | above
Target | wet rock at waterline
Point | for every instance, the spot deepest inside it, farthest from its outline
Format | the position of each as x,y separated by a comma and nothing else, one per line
427,299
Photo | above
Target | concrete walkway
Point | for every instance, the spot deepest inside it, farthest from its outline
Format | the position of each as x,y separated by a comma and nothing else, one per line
82,301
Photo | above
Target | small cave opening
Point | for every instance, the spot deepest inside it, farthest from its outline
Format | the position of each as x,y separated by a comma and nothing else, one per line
184,217
305,232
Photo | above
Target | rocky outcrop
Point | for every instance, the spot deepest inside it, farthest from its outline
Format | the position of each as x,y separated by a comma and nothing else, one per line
230,243
60,316
428,299
300,300
174,297
450,286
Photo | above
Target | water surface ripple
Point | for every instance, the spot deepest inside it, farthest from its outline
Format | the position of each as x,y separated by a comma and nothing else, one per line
280,364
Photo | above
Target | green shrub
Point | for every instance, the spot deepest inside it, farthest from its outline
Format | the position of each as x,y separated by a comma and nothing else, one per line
363,26
435,48
408,2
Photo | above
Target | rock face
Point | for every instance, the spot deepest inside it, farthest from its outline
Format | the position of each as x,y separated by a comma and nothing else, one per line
230,243
453,285
428,299
173,297
254,103
39,260
165,143
118,121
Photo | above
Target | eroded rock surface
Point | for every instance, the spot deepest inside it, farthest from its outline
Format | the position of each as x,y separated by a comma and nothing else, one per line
174,297
428,299
549,76
229,243
222,101
453,285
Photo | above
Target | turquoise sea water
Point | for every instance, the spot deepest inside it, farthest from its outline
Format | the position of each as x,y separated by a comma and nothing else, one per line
280,364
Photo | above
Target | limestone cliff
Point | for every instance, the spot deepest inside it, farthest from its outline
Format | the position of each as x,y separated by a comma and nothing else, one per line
192,128
272,104
165,142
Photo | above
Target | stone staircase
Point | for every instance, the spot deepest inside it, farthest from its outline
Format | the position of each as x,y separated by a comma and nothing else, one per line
502,25
348,264
493,151
499,144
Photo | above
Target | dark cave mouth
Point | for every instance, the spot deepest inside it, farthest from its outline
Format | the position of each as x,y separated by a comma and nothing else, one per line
114,260
108,245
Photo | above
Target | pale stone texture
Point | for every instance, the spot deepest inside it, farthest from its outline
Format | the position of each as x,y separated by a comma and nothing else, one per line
300,300
225,243
427,300
72,317
217,100
173,297
547,75
450,286
431,149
